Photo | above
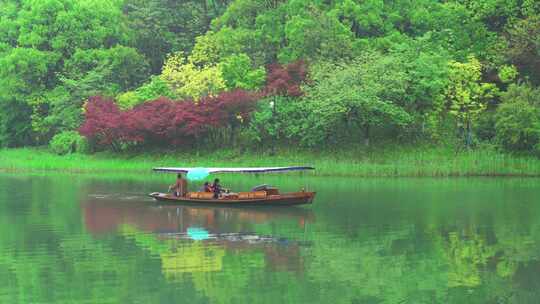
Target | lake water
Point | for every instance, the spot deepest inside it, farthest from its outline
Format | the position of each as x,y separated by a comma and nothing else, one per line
82,239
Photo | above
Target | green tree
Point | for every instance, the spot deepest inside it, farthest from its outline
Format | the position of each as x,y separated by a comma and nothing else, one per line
160,27
517,120
523,38
362,95
151,90
187,80
315,35
237,72
467,95
47,49
277,120
23,80
427,74
68,142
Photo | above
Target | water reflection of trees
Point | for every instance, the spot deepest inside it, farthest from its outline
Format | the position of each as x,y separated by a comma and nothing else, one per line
397,251
429,260
165,232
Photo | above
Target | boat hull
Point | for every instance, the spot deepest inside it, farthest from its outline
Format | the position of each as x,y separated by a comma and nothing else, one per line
286,199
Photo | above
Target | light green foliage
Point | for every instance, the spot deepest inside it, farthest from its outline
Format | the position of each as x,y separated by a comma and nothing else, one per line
84,23
237,73
21,89
187,80
23,73
128,100
242,13
213,47
205,51
508,73
427,71
517,121
8,24
216,63
315,35
530,8
152,90
467,95
68,142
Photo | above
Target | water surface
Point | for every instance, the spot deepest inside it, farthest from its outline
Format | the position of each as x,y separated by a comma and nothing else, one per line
80,239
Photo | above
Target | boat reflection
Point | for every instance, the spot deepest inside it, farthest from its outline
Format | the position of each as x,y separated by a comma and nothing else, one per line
103,215
196,239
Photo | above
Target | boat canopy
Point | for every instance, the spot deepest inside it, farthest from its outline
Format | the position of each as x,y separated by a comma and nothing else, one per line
233,170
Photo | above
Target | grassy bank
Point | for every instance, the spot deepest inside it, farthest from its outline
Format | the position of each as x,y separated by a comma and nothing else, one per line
405,162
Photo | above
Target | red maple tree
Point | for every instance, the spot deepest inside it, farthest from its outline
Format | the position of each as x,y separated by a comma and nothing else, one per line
165,122
285,80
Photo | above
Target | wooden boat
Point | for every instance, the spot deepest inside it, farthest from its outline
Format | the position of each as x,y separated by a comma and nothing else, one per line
261,196
242,198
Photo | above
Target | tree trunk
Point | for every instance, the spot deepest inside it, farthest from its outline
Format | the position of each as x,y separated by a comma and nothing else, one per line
206,15
232,139
468,134
366,135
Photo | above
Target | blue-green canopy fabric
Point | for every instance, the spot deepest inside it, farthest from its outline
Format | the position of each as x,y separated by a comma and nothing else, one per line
197,174
201,171
198,234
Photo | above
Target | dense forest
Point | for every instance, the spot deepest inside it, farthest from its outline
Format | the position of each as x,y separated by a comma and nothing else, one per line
90,75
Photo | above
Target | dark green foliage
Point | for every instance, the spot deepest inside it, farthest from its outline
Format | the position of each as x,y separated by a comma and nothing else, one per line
161,27
122,67
524,45
15,127
277,120
517,123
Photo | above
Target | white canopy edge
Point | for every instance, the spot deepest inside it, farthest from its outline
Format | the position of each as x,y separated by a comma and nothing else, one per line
233,170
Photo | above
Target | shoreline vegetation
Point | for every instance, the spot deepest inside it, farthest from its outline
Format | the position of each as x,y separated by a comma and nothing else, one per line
424,162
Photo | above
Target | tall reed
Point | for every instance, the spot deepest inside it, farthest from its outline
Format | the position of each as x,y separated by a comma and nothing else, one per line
433,162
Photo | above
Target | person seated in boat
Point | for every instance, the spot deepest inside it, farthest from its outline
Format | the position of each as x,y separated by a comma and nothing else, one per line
220,192
206,187
216,188
180,187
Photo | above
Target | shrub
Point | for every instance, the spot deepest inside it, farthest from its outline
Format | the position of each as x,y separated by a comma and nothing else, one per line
517,126
517,120
68,142
166,122
238,73
152,90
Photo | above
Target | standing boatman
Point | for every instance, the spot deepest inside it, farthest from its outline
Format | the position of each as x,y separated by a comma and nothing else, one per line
180,187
